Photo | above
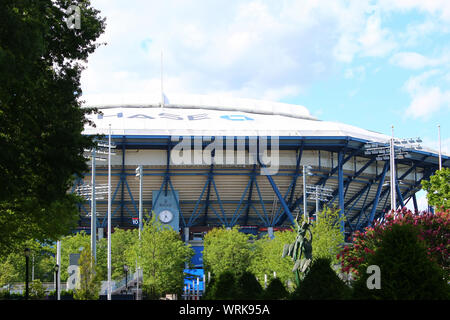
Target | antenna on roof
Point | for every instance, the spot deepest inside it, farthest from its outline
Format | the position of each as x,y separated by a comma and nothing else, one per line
162,89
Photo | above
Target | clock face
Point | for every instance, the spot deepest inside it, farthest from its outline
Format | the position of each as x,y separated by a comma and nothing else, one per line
165,216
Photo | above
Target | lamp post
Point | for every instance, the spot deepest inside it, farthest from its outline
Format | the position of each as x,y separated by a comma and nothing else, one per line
140,173
56,282
27,259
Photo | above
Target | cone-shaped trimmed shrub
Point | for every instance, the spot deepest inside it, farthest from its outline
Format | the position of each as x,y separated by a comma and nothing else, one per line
275,290
321,283
248,288
224,288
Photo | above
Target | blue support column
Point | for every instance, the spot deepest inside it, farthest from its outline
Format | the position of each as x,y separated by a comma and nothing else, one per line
341,187
281,199
208,193
377,197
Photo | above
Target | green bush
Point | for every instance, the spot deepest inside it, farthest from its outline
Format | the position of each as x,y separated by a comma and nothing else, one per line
248,288
37,290
275,290
407,270
321,283
224,288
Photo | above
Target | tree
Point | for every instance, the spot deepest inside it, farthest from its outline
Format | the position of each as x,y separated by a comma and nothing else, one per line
121,241
72,244
89,282
327,235
41,119
162,256
266,257
438,189
41,260
321,283
226,251
406,270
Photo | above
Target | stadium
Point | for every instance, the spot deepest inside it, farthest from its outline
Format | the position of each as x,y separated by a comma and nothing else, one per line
216,188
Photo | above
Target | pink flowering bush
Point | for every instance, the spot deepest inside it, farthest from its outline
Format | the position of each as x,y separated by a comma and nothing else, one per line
434,230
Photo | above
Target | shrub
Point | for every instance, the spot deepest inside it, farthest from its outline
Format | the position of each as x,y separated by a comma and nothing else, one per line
407,270
224,288
37,290
321,283
248,288
275,290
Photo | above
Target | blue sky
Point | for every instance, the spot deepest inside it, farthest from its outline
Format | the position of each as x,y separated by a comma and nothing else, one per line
367,63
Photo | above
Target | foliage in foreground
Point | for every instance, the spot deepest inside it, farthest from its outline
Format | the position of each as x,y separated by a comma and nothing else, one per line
41,118
407,271
433,229
321,283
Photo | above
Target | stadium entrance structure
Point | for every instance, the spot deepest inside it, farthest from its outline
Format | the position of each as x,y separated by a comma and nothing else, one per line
204,193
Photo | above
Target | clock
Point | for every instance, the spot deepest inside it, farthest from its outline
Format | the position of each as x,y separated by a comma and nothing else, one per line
165,216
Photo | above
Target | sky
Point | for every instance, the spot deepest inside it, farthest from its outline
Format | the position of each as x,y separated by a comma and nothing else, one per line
372,64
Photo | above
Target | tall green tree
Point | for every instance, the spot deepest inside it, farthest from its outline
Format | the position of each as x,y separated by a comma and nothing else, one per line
73,244
227,250
438,189
41,119
162,255
89,282
42,263
327,236
266,257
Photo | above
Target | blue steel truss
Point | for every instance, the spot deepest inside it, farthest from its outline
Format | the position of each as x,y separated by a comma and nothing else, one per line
359,210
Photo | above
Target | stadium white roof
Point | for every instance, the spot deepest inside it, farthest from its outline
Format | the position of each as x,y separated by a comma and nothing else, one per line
212,116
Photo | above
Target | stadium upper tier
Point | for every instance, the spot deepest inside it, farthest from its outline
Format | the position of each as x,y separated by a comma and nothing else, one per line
222,193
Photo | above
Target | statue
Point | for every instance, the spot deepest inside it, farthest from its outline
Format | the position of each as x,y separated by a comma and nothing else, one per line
302,246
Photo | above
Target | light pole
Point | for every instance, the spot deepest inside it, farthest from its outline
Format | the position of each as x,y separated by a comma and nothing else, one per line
27,259
440,151
109,214
90,192
58,263
306,171
393,174
391,150
140,173
319,194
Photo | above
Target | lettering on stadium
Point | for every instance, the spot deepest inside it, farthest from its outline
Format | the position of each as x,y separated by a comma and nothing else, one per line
172,116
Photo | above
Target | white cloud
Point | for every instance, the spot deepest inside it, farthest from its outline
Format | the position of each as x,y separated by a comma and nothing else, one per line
413,60
439,8
376,41
255,48
426,99
252,49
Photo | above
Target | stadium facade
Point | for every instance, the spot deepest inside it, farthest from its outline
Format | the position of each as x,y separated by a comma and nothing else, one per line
198,184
